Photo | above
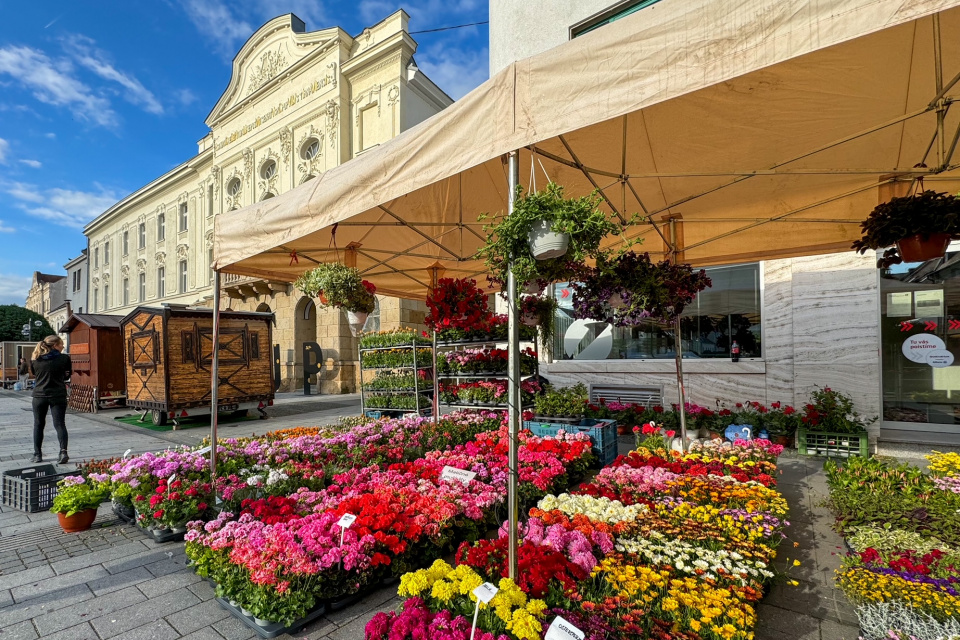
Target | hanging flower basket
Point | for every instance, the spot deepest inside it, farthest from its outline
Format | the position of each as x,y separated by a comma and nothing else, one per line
356,320
920,226
920,247
339,286
546,237
545,243
530,319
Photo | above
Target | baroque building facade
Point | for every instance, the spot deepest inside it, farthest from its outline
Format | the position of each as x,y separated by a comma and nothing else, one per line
298,103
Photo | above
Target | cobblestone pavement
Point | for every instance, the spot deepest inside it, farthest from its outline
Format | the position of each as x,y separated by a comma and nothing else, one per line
114,582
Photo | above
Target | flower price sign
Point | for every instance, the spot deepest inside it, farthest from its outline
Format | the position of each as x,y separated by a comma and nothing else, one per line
452,473
563,630
485,594
346,520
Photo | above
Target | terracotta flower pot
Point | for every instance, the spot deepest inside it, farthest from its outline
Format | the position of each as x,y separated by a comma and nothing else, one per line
716,436
77,522
624,430
784,441
920,248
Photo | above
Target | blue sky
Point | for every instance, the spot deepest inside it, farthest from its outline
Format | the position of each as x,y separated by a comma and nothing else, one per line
98,99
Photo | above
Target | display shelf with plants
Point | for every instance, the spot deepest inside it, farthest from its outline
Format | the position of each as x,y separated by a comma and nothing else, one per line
396,372
478,376
830,426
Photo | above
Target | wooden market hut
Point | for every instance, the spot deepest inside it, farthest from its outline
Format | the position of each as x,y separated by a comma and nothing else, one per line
168,356
96,351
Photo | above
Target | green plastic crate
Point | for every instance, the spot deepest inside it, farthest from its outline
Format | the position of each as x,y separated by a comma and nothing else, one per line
834,445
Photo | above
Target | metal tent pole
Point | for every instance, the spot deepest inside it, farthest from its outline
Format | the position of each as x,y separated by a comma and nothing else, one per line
433,344
214,376
678,347
513,369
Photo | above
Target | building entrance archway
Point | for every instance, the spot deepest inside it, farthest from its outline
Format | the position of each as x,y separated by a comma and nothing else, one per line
304,330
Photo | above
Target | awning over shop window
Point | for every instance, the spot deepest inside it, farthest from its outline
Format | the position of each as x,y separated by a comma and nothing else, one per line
770,127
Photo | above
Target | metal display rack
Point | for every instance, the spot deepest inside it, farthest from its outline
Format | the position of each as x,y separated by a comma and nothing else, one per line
457,346
420,391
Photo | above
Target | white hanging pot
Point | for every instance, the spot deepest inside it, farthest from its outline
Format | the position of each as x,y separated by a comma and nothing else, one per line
356,320
531,288
616,301
545,243
530,319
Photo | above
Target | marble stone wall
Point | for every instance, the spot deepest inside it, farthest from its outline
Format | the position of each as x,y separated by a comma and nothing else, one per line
820,328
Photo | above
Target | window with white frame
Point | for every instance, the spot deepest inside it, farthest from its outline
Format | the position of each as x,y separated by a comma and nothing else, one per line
161,226
141,287
126,291
125,244
141,235
184,221
161,282
183,276
106,296
106,253
96,299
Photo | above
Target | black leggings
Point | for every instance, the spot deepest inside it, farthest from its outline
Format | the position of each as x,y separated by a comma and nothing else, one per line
59,411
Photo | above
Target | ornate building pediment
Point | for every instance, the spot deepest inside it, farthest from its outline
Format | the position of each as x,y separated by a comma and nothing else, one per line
266,56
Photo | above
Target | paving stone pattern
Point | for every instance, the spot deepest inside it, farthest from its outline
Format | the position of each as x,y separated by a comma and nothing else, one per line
114,582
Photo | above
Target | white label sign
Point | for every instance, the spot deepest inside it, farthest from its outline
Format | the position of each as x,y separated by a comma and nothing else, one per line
929,304
485,592
563,630
173,477
126,453
204,451
346,520
452,473
915,348
900,304
939,359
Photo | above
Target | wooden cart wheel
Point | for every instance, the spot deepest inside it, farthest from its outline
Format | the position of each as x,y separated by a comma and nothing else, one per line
159,417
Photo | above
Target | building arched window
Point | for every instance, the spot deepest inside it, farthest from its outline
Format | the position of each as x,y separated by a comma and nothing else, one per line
233,188
310,149
268,169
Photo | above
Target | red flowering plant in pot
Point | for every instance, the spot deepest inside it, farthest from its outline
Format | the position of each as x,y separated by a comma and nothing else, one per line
456,303
917,227
781,422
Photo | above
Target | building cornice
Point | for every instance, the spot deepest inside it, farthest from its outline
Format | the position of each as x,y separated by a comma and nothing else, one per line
180,172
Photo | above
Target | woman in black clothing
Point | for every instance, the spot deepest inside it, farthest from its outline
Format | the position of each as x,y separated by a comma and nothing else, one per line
51,370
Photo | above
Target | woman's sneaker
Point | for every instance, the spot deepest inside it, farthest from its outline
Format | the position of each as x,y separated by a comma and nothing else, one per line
63,459
36,458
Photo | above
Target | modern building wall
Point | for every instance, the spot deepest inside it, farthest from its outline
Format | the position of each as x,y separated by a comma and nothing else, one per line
819,329
298,103
521,29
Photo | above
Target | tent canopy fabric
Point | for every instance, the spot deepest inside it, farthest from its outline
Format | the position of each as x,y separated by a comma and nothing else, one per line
765,128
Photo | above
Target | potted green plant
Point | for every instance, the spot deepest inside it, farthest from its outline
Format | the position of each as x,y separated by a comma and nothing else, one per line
538,311
920,225
343,287
525,239
77,501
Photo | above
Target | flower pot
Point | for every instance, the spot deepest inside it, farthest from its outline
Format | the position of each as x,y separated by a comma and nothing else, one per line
624,430
356,320
921,247
260,622
77,522
716,436
546,243
245,612
179,528
530,319
783,441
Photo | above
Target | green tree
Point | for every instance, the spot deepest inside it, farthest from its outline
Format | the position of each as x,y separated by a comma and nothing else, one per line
12,319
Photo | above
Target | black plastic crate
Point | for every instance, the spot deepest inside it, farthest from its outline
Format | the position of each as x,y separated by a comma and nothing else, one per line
32,489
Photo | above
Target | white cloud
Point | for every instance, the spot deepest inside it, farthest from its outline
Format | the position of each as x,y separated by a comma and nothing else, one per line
4,149
13,288
186,97
87,55
65,207
52,82
50,134
5,229
214,20
33,164
456,71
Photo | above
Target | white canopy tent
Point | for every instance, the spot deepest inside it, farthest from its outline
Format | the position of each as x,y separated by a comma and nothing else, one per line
739,131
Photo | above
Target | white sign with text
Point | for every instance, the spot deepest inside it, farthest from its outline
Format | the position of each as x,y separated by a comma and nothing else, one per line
561,629
452,473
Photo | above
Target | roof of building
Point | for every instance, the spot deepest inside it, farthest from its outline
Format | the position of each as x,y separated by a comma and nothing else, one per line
47,277
92,320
